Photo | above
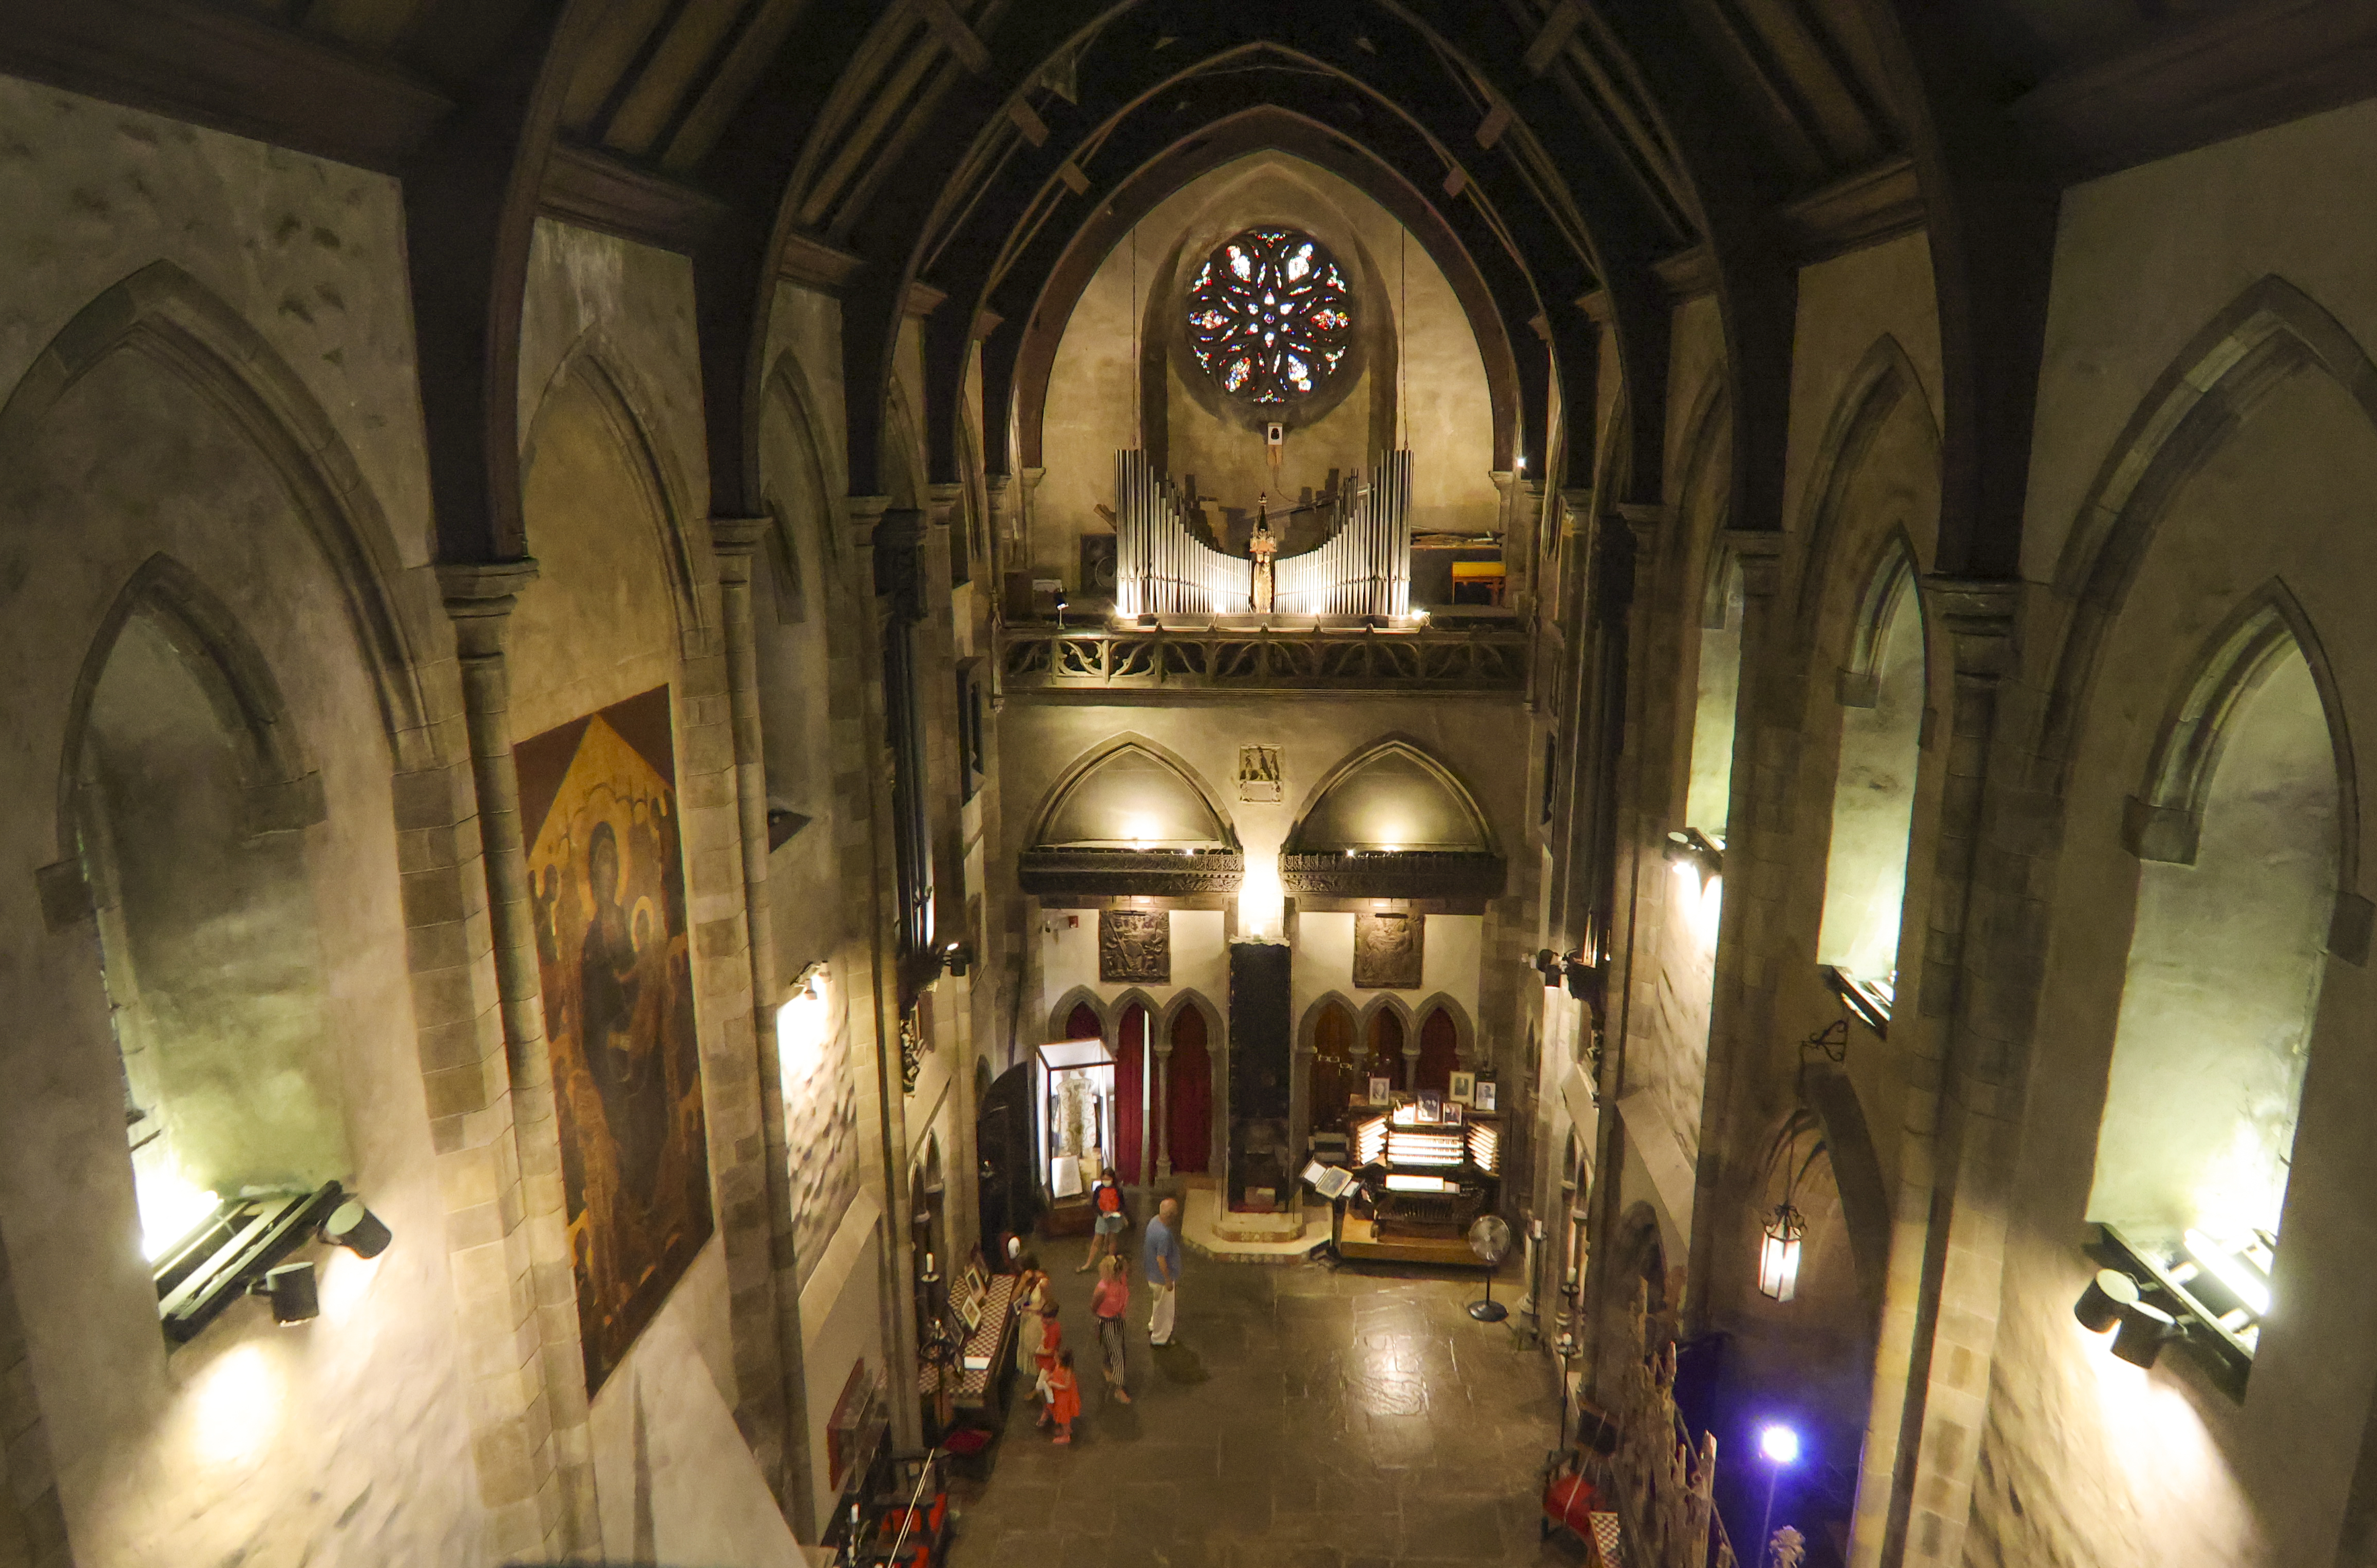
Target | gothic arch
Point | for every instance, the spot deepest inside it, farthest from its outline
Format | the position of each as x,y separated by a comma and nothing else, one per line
1465,1030
1310,1022
2267,334
2165,818
1123,743
219,654
1894,584
168,318
1884,380
1059,1015
1188,999
620,393
802,502
1387,1002
1399,747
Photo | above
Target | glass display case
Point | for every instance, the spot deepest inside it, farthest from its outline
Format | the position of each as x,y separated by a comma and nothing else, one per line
1074,1086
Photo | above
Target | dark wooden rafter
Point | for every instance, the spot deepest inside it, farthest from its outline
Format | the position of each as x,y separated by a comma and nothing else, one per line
470,198
1990,214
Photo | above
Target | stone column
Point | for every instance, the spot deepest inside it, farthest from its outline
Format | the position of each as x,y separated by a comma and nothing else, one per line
1981,959
479,598
737,541
1164,1111
1765,754
870,874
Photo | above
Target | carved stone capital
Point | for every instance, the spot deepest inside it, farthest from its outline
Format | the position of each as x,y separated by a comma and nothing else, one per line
1576,509
860,514
1980,616
735,541
1645,520
479,597
1760,553
941,503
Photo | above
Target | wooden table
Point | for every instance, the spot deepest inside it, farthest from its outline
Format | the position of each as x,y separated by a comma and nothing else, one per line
994,1338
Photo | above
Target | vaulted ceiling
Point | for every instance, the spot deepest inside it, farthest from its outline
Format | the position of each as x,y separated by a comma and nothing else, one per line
1577,164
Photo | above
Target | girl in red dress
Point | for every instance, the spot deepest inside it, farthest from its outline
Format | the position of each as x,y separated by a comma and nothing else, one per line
1052,1347
1064,1396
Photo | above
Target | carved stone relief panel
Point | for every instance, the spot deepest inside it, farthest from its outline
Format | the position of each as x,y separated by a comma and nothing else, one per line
1135,947
1259,774
1387,952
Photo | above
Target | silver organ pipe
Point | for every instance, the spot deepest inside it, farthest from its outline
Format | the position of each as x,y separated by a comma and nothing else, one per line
1163,568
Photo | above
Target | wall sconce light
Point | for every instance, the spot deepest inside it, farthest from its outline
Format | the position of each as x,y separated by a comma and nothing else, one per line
1778,1253
1548,965
357,1229
1060,610
2108,1295
955,957
2145,1329
1694,855
292,1292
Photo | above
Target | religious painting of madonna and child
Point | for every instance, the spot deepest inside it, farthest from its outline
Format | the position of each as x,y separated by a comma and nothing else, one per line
607,878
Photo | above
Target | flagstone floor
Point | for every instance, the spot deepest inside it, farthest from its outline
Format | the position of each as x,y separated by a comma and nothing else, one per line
1302,1417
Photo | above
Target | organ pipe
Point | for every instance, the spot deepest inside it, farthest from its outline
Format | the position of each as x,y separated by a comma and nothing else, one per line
1163,568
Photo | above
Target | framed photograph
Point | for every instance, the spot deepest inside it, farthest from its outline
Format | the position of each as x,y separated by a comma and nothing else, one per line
1431,1106
1464,1085
1481,1095
970,1312
1453,1112
1380,1089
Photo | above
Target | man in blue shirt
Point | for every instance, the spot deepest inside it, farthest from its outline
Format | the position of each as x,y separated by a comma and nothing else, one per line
1161,1254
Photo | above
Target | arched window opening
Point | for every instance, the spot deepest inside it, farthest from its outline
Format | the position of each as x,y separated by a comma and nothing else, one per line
2226,960
187,834
1192,1123
1439,1052
1385,1058
1882,696
1708,798
1130,1092
1337,1077
1082,1023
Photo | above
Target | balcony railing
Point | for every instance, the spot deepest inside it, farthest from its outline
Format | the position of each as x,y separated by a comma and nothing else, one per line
1298,658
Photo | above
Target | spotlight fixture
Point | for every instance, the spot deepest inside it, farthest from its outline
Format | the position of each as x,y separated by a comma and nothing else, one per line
2145,1329
1778,1254
1695,855
357,1229
1584,978
2108,1295
290,1289
1548,965
955,957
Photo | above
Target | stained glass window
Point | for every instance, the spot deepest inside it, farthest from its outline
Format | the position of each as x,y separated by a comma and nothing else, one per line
1269,316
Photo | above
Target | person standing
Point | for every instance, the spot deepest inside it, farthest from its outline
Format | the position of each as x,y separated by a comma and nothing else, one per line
1052,1345
1106,1240
1161,1254
1109,1298
1064,1396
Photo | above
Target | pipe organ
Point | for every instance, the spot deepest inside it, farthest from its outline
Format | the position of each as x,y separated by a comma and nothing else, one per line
1163,568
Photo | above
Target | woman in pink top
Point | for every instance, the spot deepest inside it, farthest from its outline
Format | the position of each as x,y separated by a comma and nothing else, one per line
1109,1298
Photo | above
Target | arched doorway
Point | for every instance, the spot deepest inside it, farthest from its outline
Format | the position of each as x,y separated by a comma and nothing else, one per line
1082,1023
1385,1056
1130,1093
1334,1076
1191,1121
1440,1050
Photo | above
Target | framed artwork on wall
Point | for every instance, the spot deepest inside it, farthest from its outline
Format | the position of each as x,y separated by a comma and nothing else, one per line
1387,952
1463,1085
1135,947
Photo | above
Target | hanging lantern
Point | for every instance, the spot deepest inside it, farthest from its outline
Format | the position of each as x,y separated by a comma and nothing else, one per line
1778,1253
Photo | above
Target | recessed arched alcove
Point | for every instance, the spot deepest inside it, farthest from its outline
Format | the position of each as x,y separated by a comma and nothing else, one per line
1392,822
1881,692
189,811
1131,819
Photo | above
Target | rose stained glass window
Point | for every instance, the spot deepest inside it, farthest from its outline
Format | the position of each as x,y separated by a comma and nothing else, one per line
1269,316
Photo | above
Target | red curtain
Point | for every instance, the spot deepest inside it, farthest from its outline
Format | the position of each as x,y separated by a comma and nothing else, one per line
1192,1093
1083,1022
1130,1088
1439,1052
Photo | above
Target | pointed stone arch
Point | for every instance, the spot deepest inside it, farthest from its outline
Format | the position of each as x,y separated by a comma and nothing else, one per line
1150,760
174,321
227,665
2270,332
2164,820
1464,1027
1398,766
1893,584
621,395
803,501
1883,381
1060,1016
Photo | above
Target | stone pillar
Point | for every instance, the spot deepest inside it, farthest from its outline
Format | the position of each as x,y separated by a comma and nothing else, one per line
1027,488
1411,1057
479,598
1765,756
1164,1111
871,874
1518,546
1983,952
737,541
